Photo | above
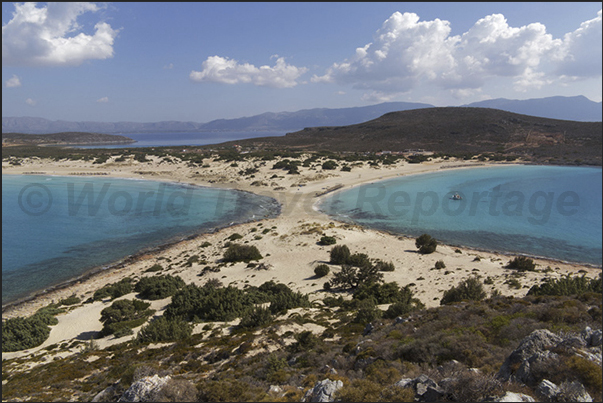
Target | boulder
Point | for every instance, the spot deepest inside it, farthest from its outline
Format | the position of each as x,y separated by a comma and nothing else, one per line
537,341
144,389
323,391
514,397
548,389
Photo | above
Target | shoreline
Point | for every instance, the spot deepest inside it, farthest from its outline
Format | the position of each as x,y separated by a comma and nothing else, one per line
288,242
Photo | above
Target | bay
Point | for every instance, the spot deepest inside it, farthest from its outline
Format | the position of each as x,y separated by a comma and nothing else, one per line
546,211
57,228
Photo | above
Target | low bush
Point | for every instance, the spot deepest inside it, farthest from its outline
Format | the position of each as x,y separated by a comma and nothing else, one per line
339,254
23,333
426,244
567,286
321,270
385,266
158,287
123,315
163,329
522,263
241,253
256,317
440,265
470,289
114,290
327,240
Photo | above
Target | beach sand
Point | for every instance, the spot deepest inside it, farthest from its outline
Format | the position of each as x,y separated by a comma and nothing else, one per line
289,243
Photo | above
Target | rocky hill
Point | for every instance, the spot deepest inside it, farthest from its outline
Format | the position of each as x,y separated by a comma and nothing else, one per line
454,130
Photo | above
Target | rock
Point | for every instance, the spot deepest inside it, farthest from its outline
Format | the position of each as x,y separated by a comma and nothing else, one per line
107,394
275,389
143,389
574,392
323,391
535,342
405,383
548,389
514,397
368,329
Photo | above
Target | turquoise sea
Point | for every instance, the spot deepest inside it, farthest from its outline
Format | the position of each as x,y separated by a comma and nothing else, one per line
57,228
547,211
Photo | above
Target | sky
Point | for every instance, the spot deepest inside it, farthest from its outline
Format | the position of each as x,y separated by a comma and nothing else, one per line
190,61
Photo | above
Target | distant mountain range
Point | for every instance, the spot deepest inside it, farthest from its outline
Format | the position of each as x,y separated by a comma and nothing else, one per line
577,108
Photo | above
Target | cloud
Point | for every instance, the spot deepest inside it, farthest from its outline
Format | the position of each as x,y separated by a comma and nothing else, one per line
103,100
580,54
229,71
406,53
168,66
49,36
30,102
13,82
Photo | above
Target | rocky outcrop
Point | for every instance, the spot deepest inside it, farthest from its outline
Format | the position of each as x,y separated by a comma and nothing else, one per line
426,389
323,391
144,389
541,347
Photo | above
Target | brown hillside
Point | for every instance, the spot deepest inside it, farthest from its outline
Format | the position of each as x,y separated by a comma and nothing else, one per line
454,130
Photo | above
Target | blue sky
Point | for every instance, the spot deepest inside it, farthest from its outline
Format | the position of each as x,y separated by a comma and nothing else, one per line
148,62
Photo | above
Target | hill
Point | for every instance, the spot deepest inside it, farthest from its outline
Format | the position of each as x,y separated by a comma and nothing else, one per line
451,131
567,108
64,138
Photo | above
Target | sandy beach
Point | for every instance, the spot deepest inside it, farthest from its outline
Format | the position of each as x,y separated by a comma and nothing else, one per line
288,242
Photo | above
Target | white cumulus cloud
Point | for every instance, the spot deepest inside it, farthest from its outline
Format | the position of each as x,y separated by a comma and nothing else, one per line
13,82
30,102
406,52
103,100
229,71
50,36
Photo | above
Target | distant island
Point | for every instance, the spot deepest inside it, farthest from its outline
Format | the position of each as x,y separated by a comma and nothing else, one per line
64,138
576,108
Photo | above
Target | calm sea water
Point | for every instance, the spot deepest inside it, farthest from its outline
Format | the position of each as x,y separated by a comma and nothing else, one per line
57,228
543,211
186,139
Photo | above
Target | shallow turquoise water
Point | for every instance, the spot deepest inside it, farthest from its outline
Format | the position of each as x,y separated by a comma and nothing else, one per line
57,228
547,211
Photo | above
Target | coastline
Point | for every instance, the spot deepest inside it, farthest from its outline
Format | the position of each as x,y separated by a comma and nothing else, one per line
289,248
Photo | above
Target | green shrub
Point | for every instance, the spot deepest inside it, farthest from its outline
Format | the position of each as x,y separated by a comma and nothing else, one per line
158,287
367,312
321,270
235,236
124,314
328,165
163,329
351,277
23,333
241,253
426,244
154,268
359,260
567,286
339,254
256,317
470,289
72,300
440,265
385,266
522,263
327,240
114,290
